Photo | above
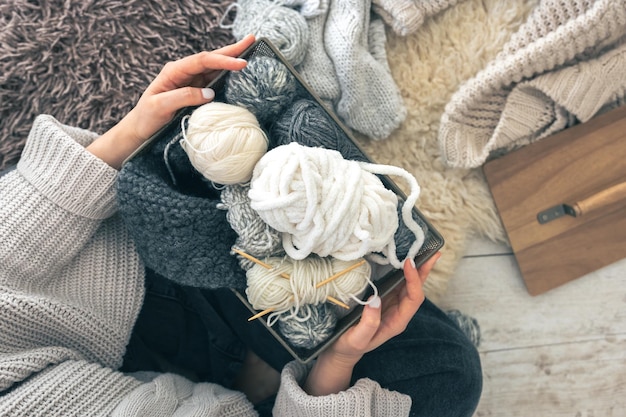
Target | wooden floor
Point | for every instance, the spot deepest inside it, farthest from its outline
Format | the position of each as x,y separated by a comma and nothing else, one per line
562,353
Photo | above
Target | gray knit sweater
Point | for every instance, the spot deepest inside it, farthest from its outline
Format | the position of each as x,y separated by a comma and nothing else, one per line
71,287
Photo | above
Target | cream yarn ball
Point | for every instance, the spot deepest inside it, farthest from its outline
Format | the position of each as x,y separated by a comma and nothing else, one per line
223,142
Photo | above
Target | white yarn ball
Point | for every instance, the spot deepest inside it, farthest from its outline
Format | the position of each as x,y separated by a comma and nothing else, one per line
323,203
223,142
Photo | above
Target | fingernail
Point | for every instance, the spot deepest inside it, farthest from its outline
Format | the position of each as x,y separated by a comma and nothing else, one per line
241,60
374,302
412,262
208,93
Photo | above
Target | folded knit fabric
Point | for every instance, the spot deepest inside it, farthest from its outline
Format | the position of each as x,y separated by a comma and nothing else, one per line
558,33
178,230
344,60
407,16
556,100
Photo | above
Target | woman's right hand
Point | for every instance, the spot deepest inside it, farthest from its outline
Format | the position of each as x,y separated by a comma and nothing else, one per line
380,321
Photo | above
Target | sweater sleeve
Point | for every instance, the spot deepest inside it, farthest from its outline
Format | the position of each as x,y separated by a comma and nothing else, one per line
53,202
170,395
365,398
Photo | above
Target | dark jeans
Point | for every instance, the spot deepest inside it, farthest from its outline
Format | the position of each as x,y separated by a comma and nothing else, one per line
204,335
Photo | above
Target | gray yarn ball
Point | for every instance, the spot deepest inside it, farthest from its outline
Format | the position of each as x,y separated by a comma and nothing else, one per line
265,87
309,333
255,237
284,27
308,124
468,325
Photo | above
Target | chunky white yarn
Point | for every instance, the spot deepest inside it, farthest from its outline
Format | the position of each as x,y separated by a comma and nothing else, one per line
223,142
266,288
330,206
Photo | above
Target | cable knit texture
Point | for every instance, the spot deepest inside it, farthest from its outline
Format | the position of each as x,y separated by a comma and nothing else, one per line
364,399
172,395
559,33
407,16
71,287
178,229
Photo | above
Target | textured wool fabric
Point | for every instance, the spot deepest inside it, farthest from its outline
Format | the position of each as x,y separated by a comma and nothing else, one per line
265,87
87,63
345,62
556,100
370,101
72,287
406,16
543,44
317,69
381,401
254,236
179,231
170,395
61,329
268,19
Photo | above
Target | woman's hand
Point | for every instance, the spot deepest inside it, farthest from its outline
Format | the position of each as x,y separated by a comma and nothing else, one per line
379,322
179,84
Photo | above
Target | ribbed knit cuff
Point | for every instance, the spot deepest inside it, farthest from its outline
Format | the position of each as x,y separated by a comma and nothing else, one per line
366,397
55,162
70,388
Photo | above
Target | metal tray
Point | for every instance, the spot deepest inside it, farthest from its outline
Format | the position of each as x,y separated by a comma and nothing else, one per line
388,279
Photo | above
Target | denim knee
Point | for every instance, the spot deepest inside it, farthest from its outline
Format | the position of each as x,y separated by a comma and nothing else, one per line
433,362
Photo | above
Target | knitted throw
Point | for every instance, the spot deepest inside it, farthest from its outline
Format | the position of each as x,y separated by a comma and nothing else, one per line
558,33
179,230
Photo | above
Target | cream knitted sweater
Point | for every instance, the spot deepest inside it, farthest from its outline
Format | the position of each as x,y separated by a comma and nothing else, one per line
565,63
71,287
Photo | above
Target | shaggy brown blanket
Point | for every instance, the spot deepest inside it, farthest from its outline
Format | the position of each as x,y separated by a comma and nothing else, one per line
86,62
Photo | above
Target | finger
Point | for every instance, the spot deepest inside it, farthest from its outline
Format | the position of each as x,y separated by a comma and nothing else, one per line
427,266
412,295
364,331
169,102
182,72
238,48
413,288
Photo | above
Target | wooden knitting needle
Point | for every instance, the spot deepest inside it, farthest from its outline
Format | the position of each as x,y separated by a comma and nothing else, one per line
340,273
261,314
269,310
258,261
284,275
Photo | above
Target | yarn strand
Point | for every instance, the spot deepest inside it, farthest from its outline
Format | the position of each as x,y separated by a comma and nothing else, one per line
407,213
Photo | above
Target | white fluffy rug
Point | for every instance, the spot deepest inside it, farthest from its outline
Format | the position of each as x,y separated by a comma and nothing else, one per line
429,66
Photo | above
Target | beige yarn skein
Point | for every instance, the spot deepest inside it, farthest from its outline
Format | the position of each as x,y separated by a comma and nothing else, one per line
223,142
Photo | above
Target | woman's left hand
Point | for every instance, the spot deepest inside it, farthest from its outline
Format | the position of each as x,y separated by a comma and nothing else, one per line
380,321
